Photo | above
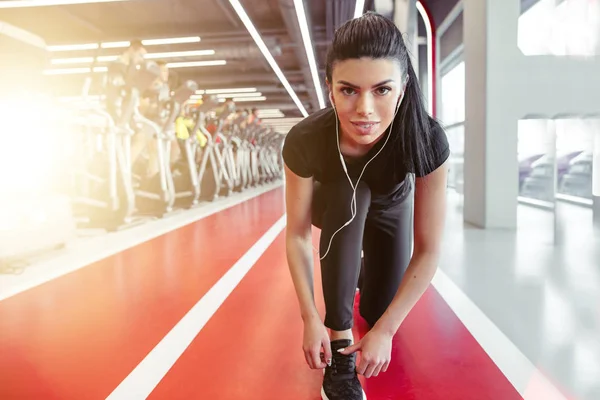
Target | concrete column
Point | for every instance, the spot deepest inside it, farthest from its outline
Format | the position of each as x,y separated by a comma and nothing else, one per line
491,168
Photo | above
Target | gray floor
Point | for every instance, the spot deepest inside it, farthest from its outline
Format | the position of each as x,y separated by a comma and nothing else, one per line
541,289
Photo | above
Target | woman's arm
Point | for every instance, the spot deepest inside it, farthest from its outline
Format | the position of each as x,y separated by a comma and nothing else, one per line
429,218
298,196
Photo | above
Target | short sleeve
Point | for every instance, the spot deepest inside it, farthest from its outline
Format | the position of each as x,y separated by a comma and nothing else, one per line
295,154
440,149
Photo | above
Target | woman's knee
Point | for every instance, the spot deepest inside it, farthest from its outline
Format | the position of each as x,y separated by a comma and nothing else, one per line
371,308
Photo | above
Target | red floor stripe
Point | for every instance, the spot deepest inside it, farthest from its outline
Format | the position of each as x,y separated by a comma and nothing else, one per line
251,350
79,336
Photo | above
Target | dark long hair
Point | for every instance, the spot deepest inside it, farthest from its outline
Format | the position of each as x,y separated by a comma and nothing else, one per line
374,36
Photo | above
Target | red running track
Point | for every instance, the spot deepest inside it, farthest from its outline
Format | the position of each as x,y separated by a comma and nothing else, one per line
81,335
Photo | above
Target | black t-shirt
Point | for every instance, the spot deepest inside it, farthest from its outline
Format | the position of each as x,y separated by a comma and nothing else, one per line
310,150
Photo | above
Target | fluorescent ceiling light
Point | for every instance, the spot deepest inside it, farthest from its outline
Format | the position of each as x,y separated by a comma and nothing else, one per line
150,56
360,6
196,64
45,3
72,47
263,48
229,95
158,42
192,53
114,45
308,46
67,71
80,60
232,90
107,58
248,99
73,71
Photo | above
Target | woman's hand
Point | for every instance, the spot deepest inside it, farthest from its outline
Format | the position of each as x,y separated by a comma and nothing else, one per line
315,339
376,348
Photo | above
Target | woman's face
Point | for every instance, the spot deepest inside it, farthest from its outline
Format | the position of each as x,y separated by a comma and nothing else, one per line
365,94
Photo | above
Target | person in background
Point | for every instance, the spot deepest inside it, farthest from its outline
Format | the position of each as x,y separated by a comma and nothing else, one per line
135,53
154,105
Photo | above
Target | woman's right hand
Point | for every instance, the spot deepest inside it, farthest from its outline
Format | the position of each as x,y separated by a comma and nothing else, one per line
316,338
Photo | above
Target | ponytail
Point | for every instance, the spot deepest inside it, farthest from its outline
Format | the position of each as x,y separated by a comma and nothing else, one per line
412,128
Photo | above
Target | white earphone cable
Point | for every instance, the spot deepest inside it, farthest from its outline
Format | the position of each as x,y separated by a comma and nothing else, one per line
353,205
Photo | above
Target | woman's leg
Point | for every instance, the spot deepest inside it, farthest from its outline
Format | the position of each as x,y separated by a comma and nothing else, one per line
341,265
387,252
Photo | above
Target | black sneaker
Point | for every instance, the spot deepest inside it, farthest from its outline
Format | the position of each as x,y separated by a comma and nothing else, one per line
340,381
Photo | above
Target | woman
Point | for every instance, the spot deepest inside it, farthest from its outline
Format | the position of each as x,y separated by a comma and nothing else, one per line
348,172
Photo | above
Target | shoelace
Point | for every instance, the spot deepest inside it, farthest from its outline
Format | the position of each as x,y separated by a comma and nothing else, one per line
343,365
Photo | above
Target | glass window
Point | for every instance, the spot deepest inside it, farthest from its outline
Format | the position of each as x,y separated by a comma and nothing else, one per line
453,117
565,28
536,159
574,158
453,95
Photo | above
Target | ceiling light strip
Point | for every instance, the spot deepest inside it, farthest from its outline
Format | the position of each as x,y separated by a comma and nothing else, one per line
360,6
170,54
46,3
230,90
228,95
308,46
121,44
158,42
196,64
73,47
73,71
107,58
248,99
149,56
80,60
115,45
265,51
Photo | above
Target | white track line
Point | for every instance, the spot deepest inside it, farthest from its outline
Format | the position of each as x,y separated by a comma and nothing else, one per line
521,373
84,252
146,376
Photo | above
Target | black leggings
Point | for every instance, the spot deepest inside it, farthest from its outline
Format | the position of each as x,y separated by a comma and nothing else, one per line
384,235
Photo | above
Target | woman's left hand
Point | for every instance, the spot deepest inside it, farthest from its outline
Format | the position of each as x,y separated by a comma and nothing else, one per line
376,349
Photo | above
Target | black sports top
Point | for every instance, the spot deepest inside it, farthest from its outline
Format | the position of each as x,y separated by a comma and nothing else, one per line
310,150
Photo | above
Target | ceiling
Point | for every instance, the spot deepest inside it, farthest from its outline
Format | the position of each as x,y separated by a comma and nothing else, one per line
219,28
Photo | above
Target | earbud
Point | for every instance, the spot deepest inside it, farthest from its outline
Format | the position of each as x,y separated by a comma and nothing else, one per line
331,100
